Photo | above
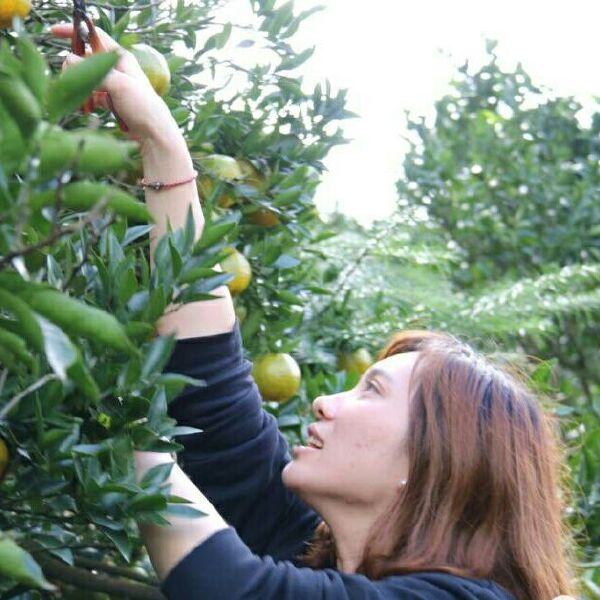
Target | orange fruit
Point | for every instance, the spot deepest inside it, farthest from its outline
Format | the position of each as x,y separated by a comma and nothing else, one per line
359,360
13,8
251,175
221,166
264,217
277,376
206,187
155,67
236,263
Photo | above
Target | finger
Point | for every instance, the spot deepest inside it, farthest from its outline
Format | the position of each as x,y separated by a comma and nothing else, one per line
70,60
62,30
127,61
65,30
107,41
115,81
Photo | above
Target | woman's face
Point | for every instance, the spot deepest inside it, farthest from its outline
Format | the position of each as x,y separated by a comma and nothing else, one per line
362,430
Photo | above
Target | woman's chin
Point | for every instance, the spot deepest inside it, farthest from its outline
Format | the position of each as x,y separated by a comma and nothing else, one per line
289,476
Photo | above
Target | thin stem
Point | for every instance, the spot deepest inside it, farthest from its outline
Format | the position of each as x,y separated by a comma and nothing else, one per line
42,516
83,579
16,399
97,565
56,235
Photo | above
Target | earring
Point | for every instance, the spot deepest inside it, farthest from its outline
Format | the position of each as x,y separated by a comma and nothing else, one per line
403,482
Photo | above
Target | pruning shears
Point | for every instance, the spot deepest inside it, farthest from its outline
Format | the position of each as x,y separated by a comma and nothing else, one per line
82,35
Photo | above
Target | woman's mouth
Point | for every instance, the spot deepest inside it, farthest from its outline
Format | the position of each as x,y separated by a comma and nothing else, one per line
303,449
314,442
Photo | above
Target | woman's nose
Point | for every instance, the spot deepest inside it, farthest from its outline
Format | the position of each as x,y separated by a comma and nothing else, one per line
324,407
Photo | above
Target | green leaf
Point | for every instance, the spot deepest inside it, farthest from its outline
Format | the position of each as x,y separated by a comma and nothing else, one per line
215,231
197,289
185,430
60,351
134,233
75,84
21,104
174,383
12,144
18,565
16,345
181,510
192,273
158,355
157,475
84,195
28,325
121,25
78,318
285,261
218,40
295,61
89,449
121,541
88,151
35,69
289,298
158,408
148,502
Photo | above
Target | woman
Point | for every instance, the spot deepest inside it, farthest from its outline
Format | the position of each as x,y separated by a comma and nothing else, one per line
437,477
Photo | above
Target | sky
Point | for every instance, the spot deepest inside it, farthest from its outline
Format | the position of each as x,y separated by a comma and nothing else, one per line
394,56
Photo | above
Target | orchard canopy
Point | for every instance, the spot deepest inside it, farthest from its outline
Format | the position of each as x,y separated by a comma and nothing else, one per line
495,238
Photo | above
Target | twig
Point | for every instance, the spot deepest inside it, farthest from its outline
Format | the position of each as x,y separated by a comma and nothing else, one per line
69,229
136,9
82,546
192,24
41,516
83,579
38,384
359,260
97,565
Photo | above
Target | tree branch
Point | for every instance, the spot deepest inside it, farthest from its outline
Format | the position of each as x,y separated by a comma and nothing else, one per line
83,579
97,565
56,235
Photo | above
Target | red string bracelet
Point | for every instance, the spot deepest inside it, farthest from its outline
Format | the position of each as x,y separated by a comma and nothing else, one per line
159,185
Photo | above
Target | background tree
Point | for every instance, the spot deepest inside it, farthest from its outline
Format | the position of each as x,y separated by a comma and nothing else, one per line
495,239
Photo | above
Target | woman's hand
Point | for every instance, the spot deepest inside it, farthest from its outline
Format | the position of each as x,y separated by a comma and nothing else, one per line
132,96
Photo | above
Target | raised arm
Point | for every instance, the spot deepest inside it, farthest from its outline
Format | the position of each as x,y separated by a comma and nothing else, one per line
166,158
237,458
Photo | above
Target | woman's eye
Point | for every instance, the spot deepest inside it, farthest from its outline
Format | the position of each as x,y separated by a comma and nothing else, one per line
369,385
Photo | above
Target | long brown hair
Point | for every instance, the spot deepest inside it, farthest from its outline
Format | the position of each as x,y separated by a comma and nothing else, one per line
484,496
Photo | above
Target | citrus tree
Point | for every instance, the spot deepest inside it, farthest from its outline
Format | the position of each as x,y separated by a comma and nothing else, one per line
81,382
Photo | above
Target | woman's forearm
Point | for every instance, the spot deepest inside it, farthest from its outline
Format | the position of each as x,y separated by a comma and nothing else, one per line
167,545
166,158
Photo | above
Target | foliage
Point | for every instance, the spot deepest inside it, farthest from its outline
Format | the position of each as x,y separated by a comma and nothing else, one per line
81,383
